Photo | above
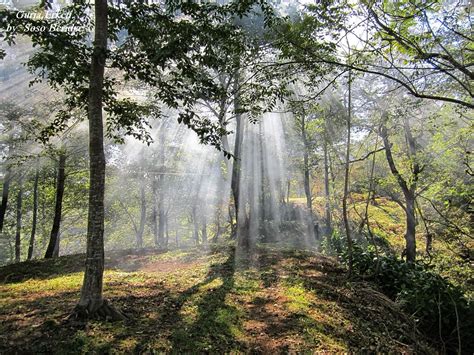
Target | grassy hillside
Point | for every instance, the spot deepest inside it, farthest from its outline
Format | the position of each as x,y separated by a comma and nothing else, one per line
203,301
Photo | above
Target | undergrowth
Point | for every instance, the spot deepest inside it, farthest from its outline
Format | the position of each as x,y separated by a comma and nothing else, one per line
440,308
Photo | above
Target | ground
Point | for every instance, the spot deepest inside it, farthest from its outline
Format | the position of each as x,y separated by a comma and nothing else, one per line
278,301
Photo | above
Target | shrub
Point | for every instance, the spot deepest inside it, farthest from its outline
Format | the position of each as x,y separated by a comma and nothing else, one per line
439,307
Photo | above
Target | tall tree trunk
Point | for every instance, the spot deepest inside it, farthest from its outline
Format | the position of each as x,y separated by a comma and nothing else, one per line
161,182
235,181
43,225
35,215
19,202
195,225
218,227
161,222
346,177
307,182
228,163
262,172
409,194
288,191
5,191
204,231
313,227
53,246
91,301
154,213
410,233
141,228
176,233
167,231
327,193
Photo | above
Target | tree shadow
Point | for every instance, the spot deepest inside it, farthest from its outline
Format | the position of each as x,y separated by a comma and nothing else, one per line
216,323
362,306
40,269
209,325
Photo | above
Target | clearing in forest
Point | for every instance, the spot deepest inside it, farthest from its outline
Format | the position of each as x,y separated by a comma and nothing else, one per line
202,301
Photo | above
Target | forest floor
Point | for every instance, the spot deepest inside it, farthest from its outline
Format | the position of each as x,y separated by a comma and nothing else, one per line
198,301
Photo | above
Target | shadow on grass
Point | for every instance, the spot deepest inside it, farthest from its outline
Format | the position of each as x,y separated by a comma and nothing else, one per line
216,323
203,318
196,320
360,305
342,315
41,269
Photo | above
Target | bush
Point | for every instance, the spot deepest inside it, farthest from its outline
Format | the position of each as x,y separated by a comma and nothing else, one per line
439,307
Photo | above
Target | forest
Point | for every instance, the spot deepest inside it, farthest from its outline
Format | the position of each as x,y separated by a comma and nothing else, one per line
236,176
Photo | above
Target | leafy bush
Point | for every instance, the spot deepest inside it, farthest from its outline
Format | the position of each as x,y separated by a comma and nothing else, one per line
439,307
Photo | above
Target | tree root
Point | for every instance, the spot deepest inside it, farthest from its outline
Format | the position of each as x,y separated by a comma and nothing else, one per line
105,312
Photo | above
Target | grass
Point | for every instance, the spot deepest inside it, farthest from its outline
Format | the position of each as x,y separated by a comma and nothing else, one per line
201,301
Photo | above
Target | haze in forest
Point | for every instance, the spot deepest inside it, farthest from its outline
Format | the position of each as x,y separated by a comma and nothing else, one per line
267,146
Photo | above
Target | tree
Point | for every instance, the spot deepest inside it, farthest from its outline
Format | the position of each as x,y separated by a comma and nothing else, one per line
345,214
305,126
63,60
15,131
418,40
5,193
141,227
91,301
19,214
400,43
332,124
53,246
35,213
408,189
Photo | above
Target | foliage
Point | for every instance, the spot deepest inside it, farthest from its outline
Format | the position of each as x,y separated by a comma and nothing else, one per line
173,48
440,308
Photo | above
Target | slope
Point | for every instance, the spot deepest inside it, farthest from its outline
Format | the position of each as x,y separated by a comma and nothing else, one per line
278,301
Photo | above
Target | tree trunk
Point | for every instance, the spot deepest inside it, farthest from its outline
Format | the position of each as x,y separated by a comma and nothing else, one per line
410,239
346,178
307,182
204,231
19,202
235,181
313,226
409,194
5,190
167,231
53,246
176,237
218,228
288,190
196,226
35,215
154,213
161,223
327,193
91,302
43,223
263,215
141,228
161,182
